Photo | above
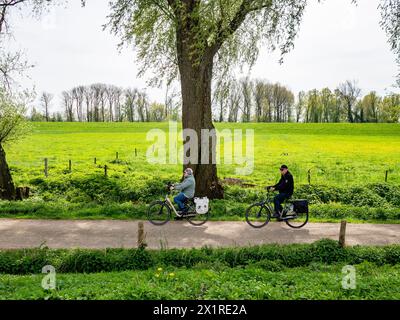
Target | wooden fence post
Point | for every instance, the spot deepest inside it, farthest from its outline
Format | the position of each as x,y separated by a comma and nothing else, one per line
22,193
46,167
26,192
116,156
105,170
95,160
342,234
386,175
141,236
135,152
70,166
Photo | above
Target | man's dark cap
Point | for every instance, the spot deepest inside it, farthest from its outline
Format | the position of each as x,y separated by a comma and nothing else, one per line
284,167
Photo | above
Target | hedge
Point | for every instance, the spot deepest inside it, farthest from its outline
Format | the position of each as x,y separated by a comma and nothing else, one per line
19,262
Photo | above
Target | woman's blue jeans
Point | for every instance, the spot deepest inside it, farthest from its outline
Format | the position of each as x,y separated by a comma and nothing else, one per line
180,200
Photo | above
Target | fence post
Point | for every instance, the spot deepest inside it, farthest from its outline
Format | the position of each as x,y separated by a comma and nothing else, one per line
141,235
386,175
95,160
135,152
342,234
26,191
116,156
46,167
105,170
70,166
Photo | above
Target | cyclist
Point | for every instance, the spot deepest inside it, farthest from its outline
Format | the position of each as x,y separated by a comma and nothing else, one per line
285,186
187,188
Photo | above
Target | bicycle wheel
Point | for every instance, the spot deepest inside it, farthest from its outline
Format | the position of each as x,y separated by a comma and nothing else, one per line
197,219
258,215
297,220
159,213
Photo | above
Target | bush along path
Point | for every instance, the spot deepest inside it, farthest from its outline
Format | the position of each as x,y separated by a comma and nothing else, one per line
271,257
100,234
117,197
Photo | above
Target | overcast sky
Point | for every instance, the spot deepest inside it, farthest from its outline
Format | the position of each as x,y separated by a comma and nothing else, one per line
337,41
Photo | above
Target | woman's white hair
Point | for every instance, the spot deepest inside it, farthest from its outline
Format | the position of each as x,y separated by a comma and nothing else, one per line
189,171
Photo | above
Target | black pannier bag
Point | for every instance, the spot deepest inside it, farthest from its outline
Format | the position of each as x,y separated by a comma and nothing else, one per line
300,206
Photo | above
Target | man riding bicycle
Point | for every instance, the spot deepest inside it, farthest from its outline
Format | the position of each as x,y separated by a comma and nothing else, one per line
187,188
285,186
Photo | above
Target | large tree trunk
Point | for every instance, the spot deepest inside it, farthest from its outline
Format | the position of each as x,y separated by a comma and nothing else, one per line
7,189
197,115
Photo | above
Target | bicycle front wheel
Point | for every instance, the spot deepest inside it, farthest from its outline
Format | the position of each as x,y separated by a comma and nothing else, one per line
159,213
258,215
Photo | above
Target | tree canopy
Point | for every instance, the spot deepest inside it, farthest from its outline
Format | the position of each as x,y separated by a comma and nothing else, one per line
232,30
390,12
12,121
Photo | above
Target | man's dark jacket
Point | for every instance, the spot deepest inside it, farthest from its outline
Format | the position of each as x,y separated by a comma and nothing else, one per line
286,184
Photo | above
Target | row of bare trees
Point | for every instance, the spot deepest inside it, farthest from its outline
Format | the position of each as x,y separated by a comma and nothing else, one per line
261,101
104,103
247,100
233,101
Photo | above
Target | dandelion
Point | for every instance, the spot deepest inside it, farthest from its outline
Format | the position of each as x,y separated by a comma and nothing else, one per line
159,269
172,274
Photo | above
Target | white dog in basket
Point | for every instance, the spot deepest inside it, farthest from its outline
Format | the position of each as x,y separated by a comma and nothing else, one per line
201,205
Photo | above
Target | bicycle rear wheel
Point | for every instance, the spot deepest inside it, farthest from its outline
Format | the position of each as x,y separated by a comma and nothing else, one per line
258,215
159,213
297,220
197,219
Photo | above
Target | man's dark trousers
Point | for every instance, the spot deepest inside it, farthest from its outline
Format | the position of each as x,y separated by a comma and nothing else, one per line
278,200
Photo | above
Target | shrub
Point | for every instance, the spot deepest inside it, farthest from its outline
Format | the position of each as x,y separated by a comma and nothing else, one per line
328,251
270,265
269,257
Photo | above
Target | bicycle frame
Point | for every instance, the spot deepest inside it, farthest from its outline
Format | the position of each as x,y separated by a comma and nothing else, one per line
268,203
171,206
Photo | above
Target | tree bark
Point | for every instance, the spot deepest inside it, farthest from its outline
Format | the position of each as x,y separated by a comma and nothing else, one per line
197,115
7,188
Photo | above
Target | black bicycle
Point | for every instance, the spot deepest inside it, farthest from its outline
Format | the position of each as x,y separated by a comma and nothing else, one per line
160,212
295,213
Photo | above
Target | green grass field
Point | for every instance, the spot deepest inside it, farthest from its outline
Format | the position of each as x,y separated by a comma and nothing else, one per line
348,163
335,153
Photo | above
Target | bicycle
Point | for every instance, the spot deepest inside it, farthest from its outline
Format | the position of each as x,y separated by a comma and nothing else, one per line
160,212
295,213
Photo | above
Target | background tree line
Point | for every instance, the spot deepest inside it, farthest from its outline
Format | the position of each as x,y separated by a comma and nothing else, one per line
248,100
104,103
242,100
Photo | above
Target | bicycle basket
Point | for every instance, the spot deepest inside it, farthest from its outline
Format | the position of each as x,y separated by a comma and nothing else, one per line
300,206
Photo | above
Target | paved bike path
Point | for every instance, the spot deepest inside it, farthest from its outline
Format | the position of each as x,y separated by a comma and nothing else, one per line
179,234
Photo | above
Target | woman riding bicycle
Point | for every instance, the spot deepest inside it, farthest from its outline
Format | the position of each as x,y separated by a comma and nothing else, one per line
187,188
